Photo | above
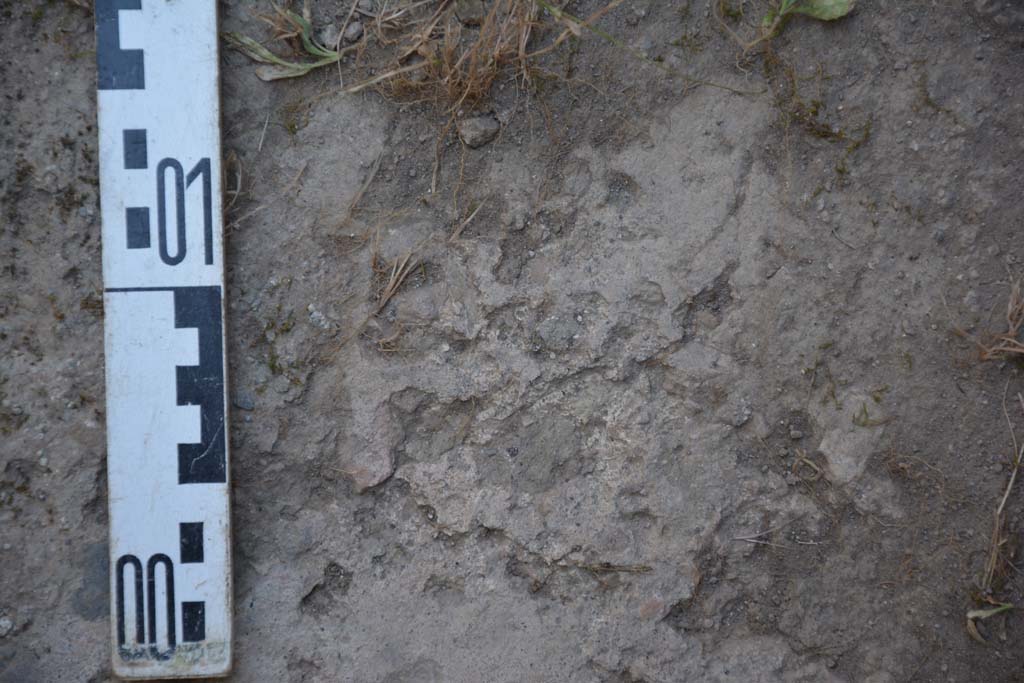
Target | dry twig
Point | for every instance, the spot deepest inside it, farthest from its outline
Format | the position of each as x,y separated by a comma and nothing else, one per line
1007,344
399,272
758,538
462,226
997,560
995,555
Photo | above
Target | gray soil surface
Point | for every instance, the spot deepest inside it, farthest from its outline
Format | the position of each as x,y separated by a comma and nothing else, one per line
681,317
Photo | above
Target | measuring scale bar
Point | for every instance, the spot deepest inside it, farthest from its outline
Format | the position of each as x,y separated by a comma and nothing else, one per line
163,270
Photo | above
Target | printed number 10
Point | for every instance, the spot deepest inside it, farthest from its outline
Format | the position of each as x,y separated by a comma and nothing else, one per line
181,181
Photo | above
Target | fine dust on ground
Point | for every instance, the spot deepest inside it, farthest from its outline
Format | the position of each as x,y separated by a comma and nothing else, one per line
684,401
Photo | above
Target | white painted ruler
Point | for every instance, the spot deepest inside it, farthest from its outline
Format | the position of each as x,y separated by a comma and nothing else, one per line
163,270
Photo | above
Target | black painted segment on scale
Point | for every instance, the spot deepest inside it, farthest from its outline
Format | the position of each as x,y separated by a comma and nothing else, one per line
193,621
137,224
191,534
117,69
203,385
136,152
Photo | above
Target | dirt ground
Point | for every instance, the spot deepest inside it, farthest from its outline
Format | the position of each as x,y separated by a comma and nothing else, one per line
685,400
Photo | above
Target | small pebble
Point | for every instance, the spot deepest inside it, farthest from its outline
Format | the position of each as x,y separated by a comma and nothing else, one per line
741,416
353,31
244,401
328,36
479,130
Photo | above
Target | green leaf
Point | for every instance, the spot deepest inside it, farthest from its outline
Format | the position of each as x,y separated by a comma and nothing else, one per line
308,42
253,50
275,72
826,10
272,67
986,613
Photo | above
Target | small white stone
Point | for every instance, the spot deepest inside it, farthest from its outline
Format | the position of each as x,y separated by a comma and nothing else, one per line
353,31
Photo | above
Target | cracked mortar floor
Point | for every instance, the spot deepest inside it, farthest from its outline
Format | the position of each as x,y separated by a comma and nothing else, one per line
676,322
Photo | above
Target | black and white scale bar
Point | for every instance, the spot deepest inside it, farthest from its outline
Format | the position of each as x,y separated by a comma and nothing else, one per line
163,270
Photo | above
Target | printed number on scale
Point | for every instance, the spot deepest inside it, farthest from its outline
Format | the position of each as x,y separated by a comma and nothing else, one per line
163,271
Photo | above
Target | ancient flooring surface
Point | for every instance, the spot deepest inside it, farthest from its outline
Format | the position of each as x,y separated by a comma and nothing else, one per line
684,401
